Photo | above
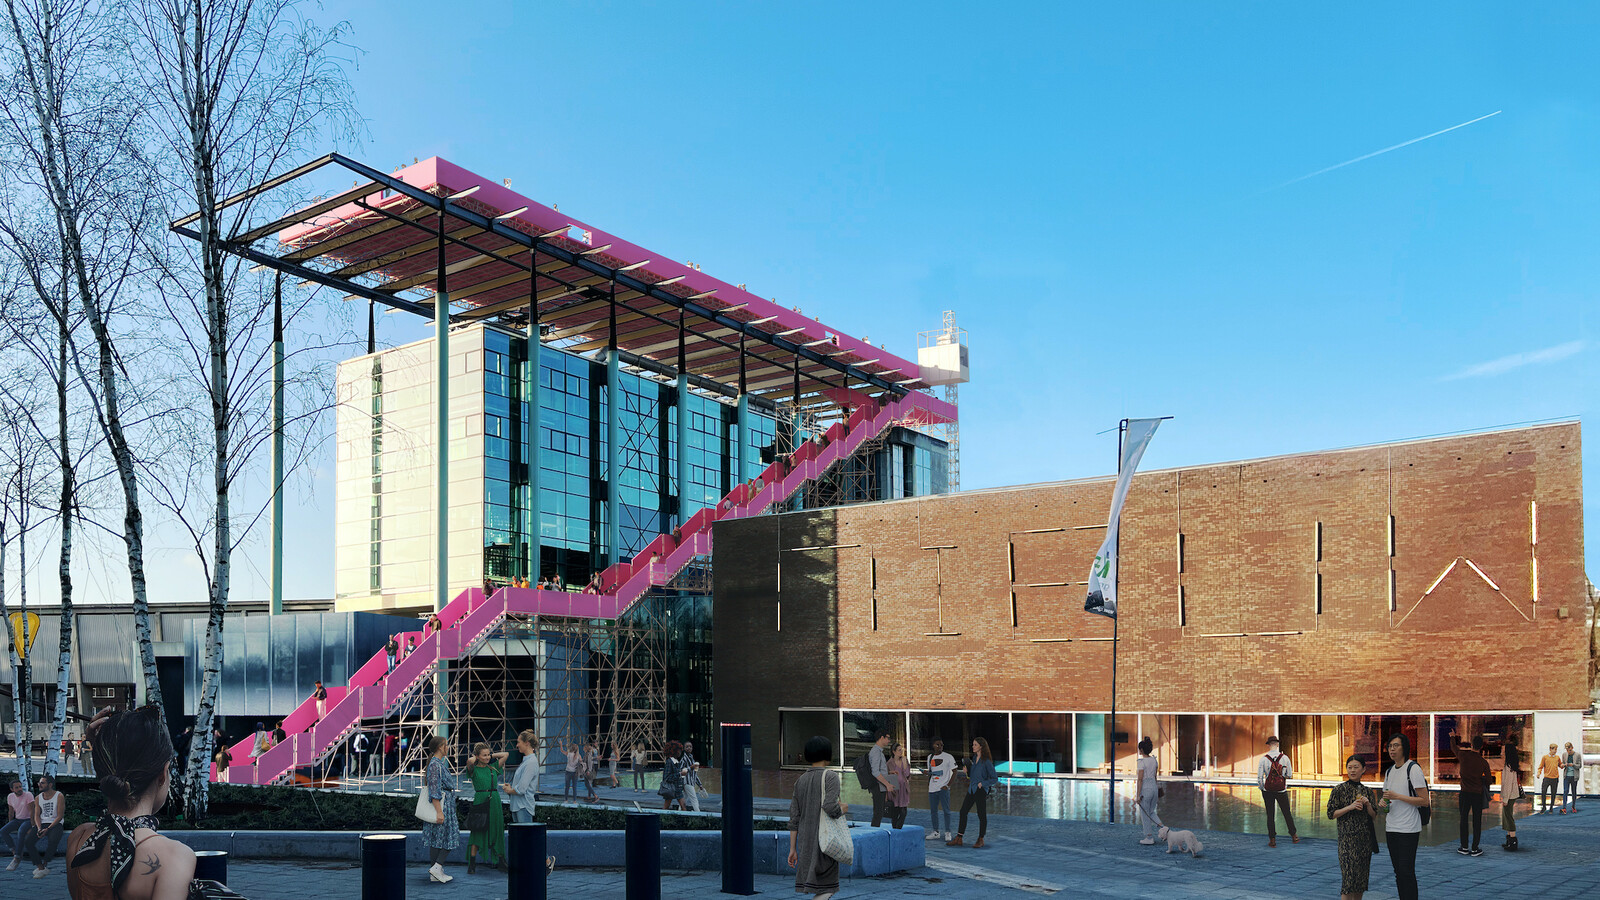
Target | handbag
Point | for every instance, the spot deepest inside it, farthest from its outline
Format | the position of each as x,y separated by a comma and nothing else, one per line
478,816
833,835
1425,811
425,810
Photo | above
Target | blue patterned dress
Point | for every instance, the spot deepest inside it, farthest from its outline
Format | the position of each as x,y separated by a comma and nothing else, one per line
444,834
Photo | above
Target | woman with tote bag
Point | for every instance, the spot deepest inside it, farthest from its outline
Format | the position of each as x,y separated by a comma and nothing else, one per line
440,832
816,794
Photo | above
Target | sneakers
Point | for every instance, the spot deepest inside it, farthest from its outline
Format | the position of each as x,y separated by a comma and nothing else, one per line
436,873
1463,851
933,836
41,872
1475,851
1147,841
12,866
948,835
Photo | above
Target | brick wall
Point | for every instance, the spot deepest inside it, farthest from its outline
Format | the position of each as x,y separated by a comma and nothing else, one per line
945,636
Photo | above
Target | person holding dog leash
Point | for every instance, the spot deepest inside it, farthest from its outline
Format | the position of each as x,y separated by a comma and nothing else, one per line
1149,790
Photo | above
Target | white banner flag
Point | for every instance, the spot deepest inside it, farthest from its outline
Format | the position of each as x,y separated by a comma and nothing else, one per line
1103,575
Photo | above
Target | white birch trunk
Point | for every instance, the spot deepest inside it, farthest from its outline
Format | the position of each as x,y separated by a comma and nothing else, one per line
68,501
13,659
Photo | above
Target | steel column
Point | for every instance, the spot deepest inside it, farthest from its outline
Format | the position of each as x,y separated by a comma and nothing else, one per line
276,605
683,427
441,472
531,392
614,441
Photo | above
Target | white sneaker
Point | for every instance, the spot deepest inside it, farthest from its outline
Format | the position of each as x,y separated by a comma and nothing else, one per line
41,872
933,835
1147,841
436,873
949,835
12,866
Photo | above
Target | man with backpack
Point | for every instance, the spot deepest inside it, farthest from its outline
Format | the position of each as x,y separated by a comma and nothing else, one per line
1272,776
872,771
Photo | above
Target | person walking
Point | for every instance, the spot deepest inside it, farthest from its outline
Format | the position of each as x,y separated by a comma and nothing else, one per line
262,742
941,769
817,793
49,811
671,789
391,653
691,778
1571,766
122,854
569,789
320,694
443,835
1147,789
485,820
1475,785
591,769
878,766
1510,788
982,777
360,751
900,786
524,787
1352,805
279,735
616,757
636,763
19,815
1405,792
1272,777
1549,778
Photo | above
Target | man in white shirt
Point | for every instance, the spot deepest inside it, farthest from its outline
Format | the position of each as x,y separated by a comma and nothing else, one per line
1272,776
941,769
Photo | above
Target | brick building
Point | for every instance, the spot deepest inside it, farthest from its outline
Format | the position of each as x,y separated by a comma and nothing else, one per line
1333,598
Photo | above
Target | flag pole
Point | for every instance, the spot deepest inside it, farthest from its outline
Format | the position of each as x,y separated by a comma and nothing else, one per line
1116,621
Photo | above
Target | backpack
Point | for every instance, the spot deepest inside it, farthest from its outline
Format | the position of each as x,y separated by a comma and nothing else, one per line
863,767
1275,781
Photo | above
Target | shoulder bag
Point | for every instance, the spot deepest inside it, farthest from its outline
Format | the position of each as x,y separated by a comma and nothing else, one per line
833,835
425,810
1425,811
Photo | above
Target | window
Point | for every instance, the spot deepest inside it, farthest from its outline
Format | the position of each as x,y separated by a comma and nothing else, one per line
1183,607
1319,593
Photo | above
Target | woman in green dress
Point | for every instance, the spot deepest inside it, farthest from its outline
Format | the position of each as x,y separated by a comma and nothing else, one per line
486,769
1353,805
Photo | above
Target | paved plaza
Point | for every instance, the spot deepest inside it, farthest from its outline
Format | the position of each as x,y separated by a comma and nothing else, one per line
1560,858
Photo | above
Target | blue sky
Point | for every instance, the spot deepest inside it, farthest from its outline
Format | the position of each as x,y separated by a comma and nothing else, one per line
1100,195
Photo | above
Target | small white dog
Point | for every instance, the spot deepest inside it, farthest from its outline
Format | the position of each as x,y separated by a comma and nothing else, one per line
1180,841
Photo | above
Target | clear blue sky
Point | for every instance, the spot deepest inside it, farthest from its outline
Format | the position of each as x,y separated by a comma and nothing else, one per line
1096,193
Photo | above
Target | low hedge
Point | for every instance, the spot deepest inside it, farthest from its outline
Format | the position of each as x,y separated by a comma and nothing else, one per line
249,808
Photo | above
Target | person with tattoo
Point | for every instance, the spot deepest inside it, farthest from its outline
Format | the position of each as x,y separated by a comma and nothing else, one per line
123,856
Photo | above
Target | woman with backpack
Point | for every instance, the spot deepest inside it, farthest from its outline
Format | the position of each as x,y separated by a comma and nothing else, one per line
1405,793
1510,789
671,789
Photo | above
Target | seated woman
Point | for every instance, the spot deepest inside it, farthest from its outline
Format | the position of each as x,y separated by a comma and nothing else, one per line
122,857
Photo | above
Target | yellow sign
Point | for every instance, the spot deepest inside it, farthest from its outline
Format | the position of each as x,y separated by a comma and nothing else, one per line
23,646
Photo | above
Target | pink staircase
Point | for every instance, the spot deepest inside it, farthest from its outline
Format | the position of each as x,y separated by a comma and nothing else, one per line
470,617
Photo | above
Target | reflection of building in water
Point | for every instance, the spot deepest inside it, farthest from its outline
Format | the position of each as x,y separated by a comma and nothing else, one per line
1334,599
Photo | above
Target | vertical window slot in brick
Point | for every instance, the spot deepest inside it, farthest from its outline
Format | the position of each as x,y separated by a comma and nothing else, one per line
1183,607
1180,553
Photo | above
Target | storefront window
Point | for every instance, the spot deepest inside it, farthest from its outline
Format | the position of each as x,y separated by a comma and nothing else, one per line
1180,742
1237,743
1493,730
862,727
1043,743
796,726
1368,737
1314,746
957,731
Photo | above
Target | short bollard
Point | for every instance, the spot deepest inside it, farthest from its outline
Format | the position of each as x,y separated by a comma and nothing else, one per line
525,855
642,846
211,865
383,866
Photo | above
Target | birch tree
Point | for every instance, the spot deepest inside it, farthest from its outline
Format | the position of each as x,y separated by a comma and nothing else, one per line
22,475
239,88
70,117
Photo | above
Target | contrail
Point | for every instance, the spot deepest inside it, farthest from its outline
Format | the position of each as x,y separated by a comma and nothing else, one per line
1351,162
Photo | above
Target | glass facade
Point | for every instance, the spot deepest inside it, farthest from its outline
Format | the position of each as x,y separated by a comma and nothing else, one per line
385,518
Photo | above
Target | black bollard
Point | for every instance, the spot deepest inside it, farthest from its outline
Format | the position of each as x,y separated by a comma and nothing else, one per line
525,855
738,815
642,846
211,865
383,867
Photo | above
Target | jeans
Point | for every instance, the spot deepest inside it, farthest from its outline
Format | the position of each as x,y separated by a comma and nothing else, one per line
1281,798
638,779
522,816
30,839
1403,856
1547,791
1148,820
571,787
691,794
979,798
11,836
1569,788
938,800
1471,801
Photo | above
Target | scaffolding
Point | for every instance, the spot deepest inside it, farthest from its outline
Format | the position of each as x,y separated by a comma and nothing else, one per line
568,680
949,432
